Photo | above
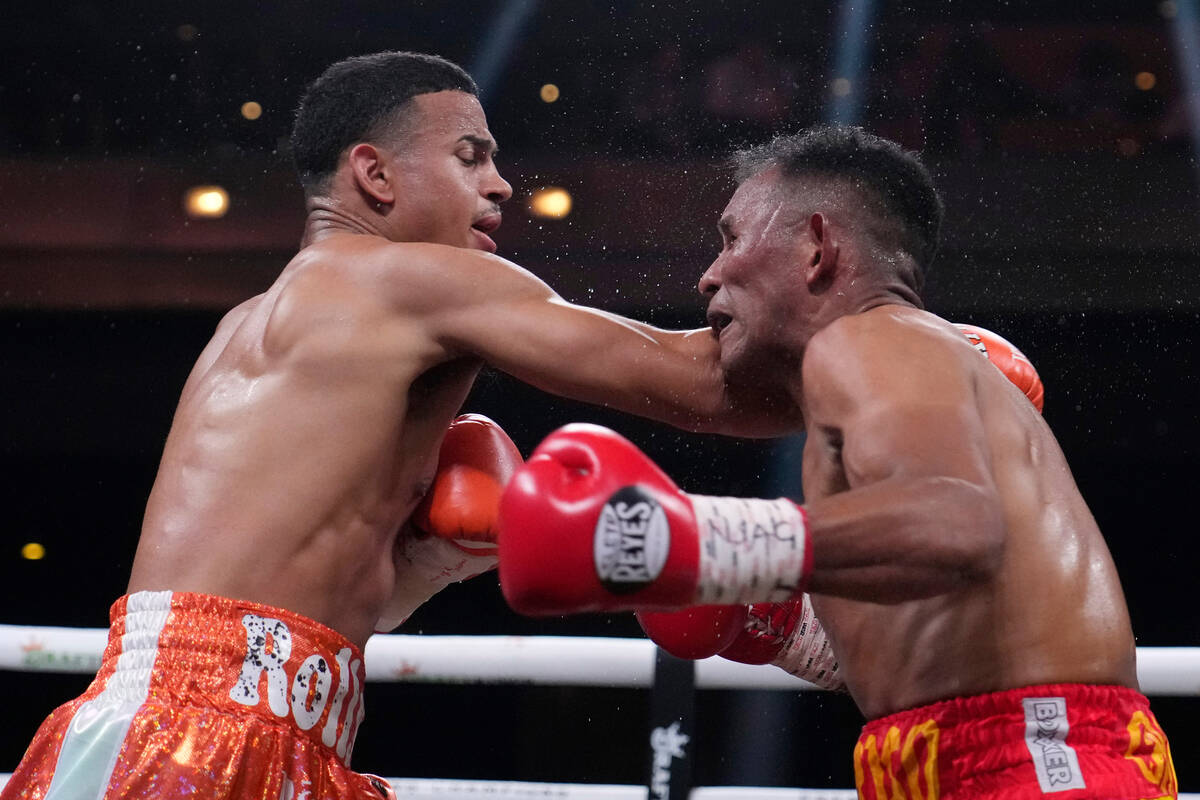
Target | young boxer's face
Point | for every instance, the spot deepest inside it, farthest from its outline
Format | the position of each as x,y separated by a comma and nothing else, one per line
752,285
448,190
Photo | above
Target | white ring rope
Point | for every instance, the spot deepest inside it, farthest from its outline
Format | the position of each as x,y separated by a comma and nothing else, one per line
534,660
543,661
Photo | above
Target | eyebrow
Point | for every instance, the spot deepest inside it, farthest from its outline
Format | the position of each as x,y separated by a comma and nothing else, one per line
725,224
481,142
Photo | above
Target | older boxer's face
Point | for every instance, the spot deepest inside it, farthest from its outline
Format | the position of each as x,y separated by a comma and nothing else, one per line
448,190
752,286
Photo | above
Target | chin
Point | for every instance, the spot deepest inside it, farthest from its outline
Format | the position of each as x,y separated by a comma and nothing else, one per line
744,368
734,355
734,367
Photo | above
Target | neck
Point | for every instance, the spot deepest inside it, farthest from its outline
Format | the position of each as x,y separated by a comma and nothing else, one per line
872,284
327,217
856,298
889,296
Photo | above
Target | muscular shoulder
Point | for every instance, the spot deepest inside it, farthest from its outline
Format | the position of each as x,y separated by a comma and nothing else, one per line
348,289
332,299
887,354
235,316
341,266
417,278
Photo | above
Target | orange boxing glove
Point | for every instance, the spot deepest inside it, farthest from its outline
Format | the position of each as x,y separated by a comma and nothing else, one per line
451,536
1008,359
475,463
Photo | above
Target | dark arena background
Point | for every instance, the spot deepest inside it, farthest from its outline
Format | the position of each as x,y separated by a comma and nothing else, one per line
1063,137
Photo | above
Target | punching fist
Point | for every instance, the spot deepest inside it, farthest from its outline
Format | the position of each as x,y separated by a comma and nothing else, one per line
1009,360
590,523
790,636
787,635
477,459
451,535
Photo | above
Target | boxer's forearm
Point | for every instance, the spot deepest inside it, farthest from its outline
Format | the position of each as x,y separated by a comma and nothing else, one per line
904,539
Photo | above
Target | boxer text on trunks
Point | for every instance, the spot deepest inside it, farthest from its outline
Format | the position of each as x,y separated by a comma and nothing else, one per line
1065,741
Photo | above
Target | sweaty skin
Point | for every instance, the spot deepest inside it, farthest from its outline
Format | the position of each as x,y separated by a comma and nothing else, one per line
309,427
953,553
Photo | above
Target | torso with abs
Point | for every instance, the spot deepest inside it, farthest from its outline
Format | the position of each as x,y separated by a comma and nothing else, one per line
1051,612
305,436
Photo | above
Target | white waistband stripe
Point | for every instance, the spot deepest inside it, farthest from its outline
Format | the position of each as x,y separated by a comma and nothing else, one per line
98,729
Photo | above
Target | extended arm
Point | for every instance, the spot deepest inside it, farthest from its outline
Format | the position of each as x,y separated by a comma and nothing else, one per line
481,305
908,509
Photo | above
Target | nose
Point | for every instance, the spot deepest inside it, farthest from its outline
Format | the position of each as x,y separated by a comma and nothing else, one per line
495,188
710,281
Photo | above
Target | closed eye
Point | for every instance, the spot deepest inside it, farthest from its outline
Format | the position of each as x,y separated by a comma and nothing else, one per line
728,237
477,150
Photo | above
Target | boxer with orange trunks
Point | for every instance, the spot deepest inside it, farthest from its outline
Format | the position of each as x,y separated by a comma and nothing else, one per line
207,696
285,523
943,551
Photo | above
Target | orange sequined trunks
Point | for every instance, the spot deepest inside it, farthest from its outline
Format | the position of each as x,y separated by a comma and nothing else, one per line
1062,741
206,697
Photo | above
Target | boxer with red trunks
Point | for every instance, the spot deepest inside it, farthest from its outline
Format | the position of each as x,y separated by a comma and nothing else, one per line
943,551
283,527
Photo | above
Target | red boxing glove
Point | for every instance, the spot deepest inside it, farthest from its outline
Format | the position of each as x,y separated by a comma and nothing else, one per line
787,635
790,636
591,524
697,632
1009,360
477,459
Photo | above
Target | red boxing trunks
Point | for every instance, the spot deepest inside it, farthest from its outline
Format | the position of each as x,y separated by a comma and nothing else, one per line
1062,741
203,696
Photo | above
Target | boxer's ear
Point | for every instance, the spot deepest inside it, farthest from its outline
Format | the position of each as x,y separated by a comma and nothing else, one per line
823,252
372,171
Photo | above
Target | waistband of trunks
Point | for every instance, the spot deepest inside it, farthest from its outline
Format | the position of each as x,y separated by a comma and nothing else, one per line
1106,706
1019,743
240,657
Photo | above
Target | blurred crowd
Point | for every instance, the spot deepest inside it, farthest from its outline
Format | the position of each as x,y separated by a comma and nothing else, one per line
973,90
967,88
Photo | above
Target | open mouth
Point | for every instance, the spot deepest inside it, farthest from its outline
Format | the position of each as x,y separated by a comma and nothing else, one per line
487,223
718,321
483,227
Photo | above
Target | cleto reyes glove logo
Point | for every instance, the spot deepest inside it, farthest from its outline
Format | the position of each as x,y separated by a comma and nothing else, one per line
631,541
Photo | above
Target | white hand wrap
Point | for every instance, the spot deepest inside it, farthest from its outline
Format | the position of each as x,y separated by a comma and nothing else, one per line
807,652
424,566
751,551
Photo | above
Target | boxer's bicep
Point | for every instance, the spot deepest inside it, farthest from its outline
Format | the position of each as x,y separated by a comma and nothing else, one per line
900,409
494,310
907,438
920,514
604,358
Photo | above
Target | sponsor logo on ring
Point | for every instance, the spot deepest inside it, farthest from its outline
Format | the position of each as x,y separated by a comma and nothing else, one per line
667,745
35,656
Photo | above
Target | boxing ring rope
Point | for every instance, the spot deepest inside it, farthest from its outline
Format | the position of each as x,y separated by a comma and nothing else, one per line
530,660
543,661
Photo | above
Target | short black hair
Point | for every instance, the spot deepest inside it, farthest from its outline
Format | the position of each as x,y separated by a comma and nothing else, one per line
358,99
901,184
